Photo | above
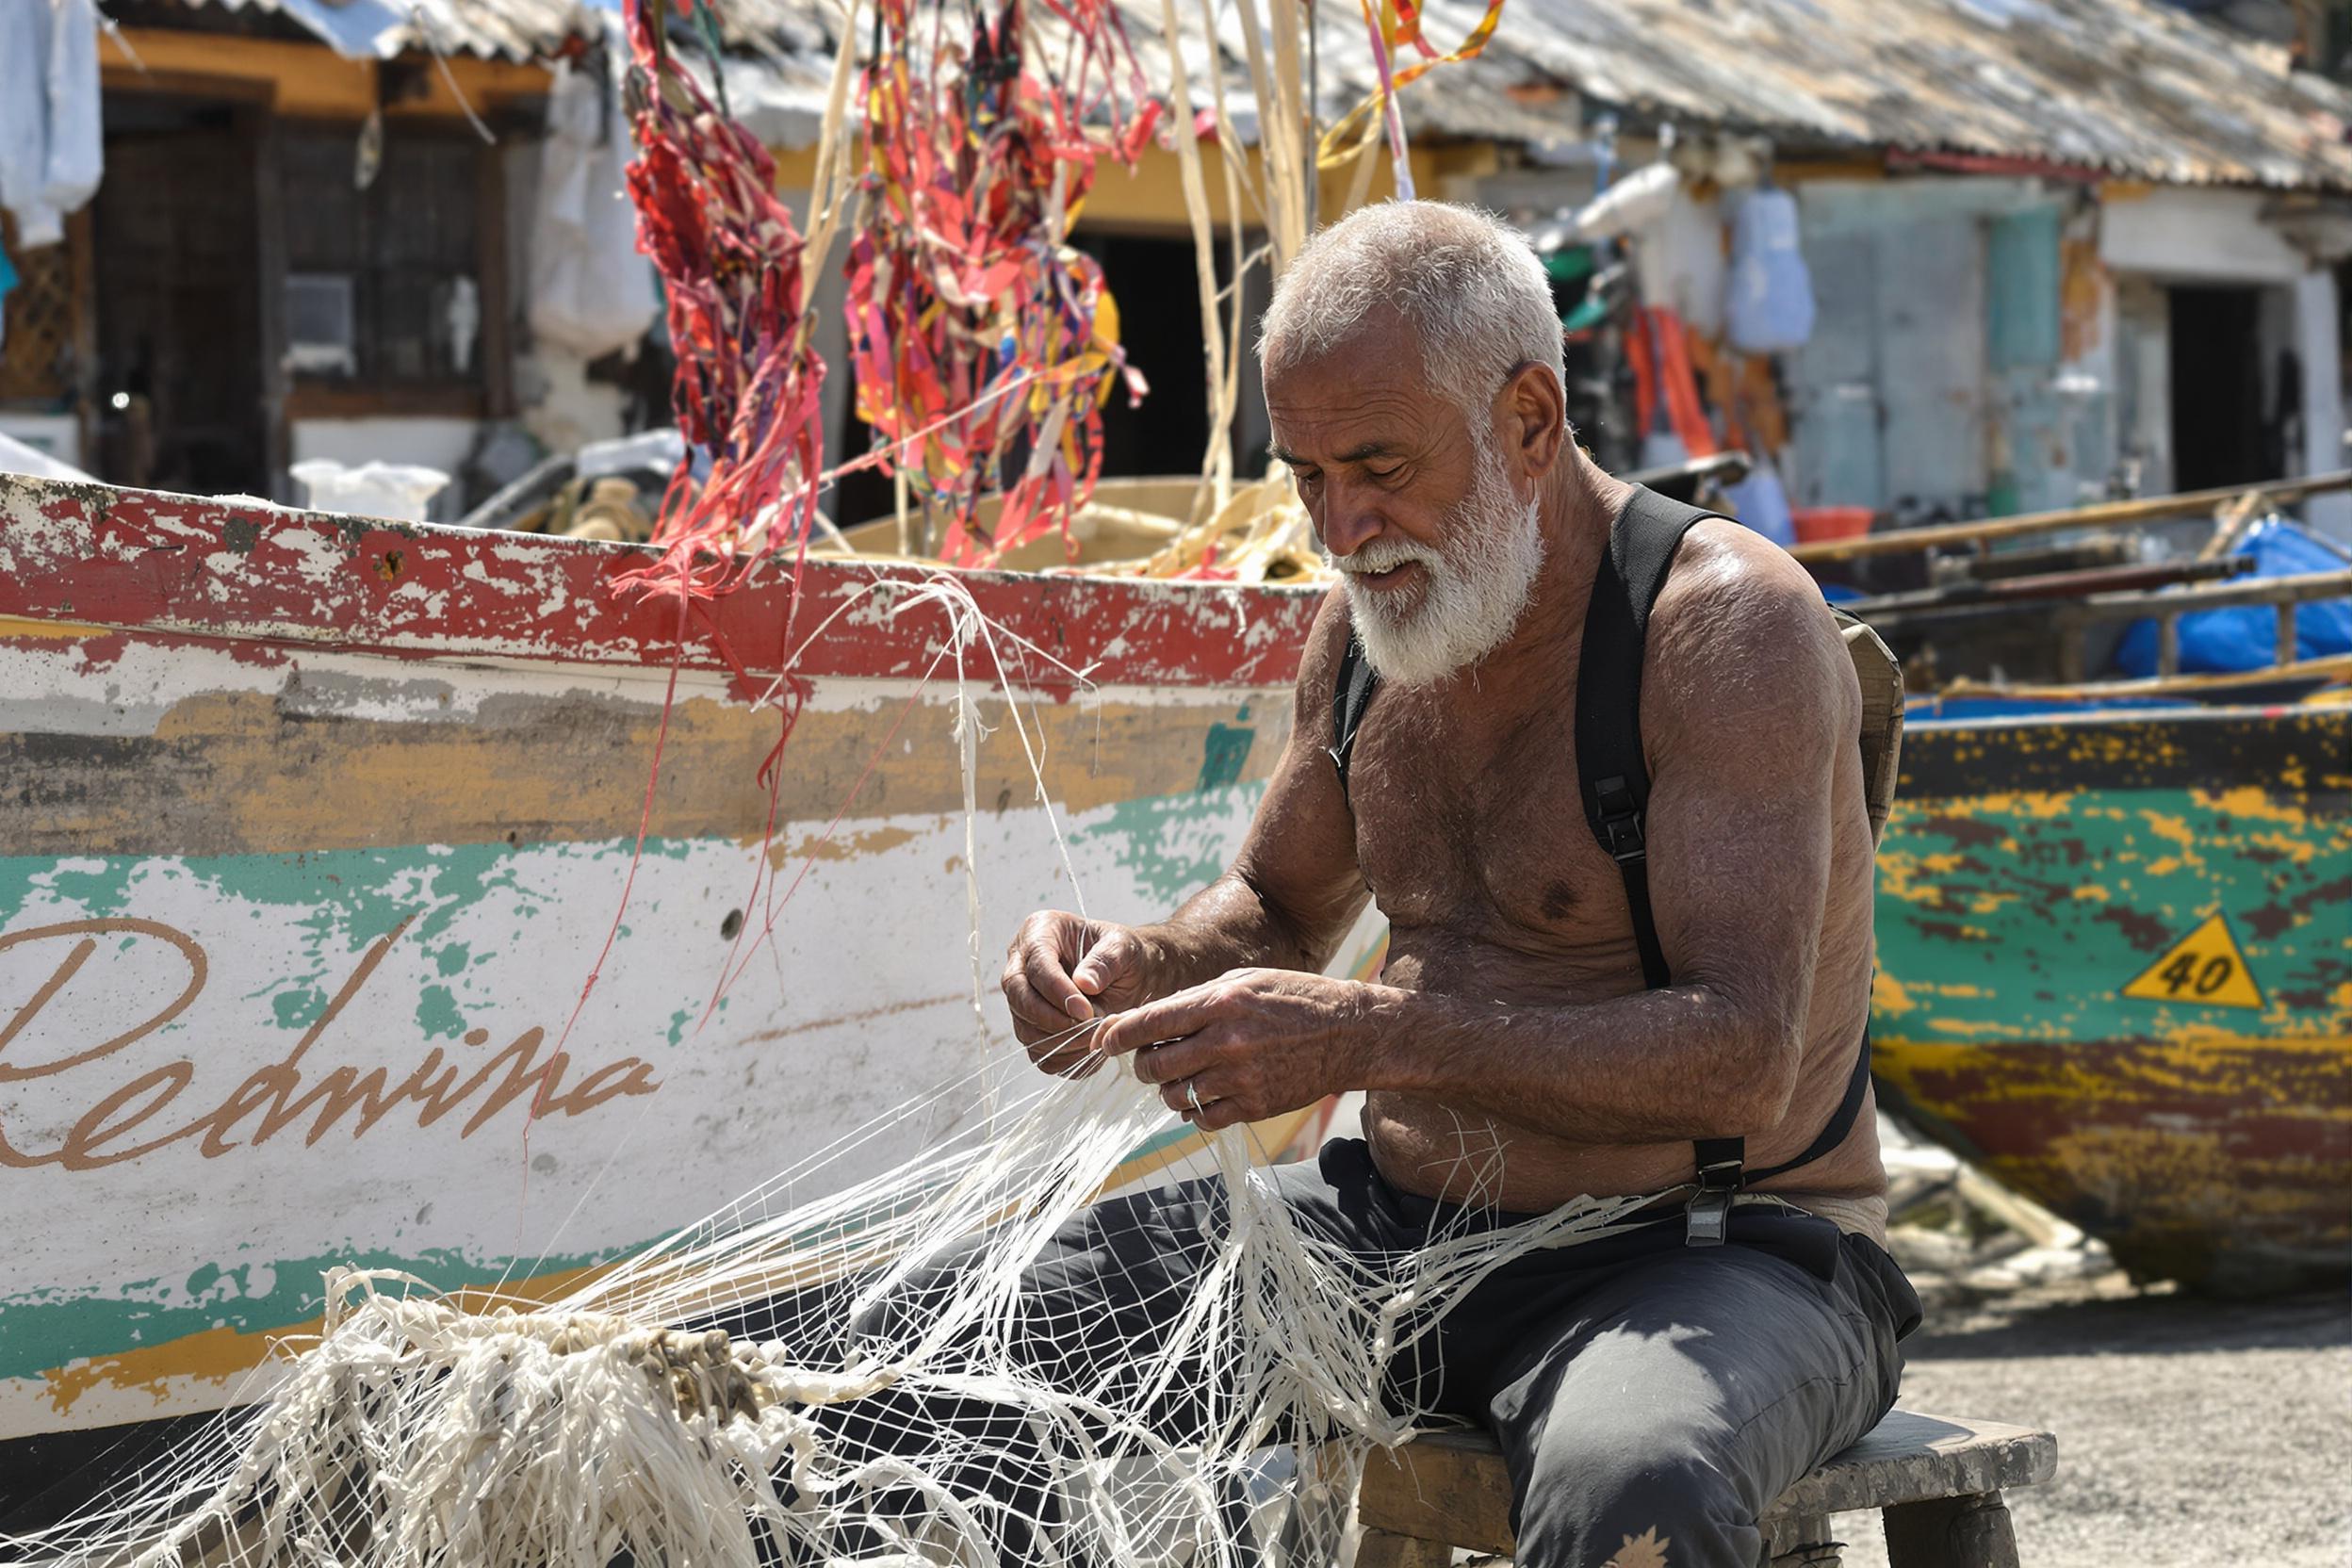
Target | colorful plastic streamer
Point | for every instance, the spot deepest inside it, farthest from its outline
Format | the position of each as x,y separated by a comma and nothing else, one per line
747,392
984,345
1396,27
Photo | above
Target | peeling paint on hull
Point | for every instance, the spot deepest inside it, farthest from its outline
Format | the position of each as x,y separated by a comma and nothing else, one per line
305,856
2034,870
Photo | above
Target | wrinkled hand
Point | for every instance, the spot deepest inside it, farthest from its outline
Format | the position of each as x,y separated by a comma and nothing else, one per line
1250,1044
1062,972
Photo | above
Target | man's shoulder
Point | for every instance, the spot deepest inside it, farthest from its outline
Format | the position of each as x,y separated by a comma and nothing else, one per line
1739,620
1727,570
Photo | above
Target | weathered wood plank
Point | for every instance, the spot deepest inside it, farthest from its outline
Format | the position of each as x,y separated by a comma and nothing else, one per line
1909,1457
1451,1487
1381,1549
1448,1486
1800,1540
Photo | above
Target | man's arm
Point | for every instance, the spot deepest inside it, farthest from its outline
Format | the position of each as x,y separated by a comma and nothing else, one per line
1295,888
1286,902
1748,705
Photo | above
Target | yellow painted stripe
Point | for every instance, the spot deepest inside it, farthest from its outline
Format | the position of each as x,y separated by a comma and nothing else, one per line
265,781
224,1354
11,626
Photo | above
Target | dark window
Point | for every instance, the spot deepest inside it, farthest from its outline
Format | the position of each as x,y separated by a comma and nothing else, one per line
384,285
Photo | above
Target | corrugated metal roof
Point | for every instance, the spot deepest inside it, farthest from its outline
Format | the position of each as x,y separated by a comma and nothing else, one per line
379,29
2130,87
1474,104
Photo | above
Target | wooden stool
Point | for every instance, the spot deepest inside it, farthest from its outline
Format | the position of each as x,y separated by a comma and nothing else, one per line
1937,1480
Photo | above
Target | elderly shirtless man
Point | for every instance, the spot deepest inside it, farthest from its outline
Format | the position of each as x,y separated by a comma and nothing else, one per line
1511,1053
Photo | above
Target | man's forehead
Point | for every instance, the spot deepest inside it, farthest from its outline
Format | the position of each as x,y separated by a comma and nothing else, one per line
1332,419
1362,397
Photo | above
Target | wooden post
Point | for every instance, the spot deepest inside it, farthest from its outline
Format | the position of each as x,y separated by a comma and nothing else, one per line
2284,653
1952,1532
1801,1540
265,131
1379,1549
494,353
82,248
2167,645
2073,668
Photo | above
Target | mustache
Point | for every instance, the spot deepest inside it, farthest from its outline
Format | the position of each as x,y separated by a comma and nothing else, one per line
1377,555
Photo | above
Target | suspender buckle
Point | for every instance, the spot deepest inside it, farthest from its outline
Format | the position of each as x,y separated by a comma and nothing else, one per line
1708,1218
1620,821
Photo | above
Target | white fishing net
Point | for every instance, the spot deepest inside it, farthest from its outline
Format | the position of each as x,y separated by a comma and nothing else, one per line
963,1360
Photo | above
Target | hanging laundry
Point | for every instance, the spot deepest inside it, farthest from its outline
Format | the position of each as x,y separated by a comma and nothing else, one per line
1760,502
592,291
1770,306
1679,261
52,144
1674,421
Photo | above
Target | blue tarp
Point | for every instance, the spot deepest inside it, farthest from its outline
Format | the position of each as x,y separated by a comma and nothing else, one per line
2228,642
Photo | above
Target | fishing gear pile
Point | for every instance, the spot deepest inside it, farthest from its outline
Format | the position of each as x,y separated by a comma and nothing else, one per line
875,1377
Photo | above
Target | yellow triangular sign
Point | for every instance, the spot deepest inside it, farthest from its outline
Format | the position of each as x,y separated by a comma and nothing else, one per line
2203,968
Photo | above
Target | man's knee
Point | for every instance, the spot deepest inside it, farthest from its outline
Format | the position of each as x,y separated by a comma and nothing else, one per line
1625,1493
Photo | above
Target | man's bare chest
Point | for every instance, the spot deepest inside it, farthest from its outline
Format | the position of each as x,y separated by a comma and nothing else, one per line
1479,828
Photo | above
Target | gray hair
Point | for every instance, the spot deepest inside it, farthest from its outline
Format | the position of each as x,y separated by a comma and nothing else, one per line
1465,282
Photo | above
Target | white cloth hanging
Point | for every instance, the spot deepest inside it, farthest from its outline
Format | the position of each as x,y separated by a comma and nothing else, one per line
1679,261
591,290
52,137
1770,303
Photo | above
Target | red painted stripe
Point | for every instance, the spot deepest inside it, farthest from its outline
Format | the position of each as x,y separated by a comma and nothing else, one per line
189,566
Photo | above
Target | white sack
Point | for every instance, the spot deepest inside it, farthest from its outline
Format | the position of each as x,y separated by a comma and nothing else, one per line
591,291
77,152
52,146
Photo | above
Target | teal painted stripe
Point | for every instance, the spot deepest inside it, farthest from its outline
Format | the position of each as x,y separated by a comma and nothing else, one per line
45,1330
1175,845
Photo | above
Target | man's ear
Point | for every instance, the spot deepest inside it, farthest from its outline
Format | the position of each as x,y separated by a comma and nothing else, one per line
1535,417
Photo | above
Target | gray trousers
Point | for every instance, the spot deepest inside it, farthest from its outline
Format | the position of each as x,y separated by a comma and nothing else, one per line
1638,1387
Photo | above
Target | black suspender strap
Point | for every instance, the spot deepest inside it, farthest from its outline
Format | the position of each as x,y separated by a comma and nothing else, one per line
1641,545
1352,687
1841,1120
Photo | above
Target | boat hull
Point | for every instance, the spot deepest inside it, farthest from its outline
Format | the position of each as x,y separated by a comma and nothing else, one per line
314,832
2116,967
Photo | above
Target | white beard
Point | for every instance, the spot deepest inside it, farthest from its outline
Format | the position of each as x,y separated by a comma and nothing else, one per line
1480,576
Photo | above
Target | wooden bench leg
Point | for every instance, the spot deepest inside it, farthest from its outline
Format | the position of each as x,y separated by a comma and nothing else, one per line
1381,1549
1952,1532
1801,1540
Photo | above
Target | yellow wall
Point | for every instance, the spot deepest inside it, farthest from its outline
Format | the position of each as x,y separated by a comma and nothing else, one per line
1152,195
303,81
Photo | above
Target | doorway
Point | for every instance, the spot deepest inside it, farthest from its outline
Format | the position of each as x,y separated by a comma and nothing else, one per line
179,379
2218,431
1158,289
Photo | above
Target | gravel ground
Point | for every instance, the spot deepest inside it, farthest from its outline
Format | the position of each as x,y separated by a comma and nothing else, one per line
2190,1432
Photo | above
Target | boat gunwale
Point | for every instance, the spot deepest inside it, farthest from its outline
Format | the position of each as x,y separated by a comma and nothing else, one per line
160,565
